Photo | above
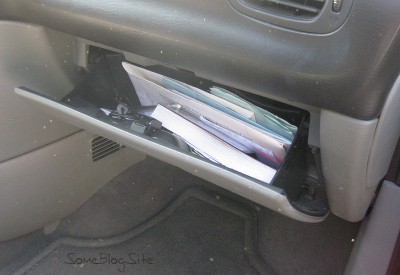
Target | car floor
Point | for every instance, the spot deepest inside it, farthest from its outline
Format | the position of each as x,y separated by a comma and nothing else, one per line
157,219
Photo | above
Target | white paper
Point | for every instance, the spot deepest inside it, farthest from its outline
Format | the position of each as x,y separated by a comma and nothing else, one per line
245,142
150,90
213,130
107,112
209,145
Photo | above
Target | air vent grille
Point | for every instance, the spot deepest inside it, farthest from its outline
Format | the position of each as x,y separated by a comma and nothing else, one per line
102,147
294,8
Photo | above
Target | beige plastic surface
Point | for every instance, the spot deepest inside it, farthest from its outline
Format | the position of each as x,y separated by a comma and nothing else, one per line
263,194
34,57
41,187
385,138
45,173
356,155
345,147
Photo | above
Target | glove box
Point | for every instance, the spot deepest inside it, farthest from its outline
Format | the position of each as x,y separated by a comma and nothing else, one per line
296,190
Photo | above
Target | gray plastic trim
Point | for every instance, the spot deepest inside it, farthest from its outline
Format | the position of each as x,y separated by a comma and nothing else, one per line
266,195
44,186
345,147
314,129
386,137
356,155
378,234
325,22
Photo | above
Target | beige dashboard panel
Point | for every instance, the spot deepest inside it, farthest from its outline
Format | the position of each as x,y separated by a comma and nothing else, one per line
40,58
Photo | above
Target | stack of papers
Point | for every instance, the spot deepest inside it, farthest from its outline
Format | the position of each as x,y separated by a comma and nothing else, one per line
220,129
212,147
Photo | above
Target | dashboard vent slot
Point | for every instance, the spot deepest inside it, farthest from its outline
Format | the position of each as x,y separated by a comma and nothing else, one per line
102,147
294,8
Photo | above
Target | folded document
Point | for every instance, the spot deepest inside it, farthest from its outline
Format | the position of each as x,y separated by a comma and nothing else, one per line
212,147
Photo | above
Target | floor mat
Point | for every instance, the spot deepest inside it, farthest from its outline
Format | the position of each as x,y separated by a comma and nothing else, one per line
198,233
130,199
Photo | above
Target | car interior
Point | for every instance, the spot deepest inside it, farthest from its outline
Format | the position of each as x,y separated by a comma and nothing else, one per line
107,165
